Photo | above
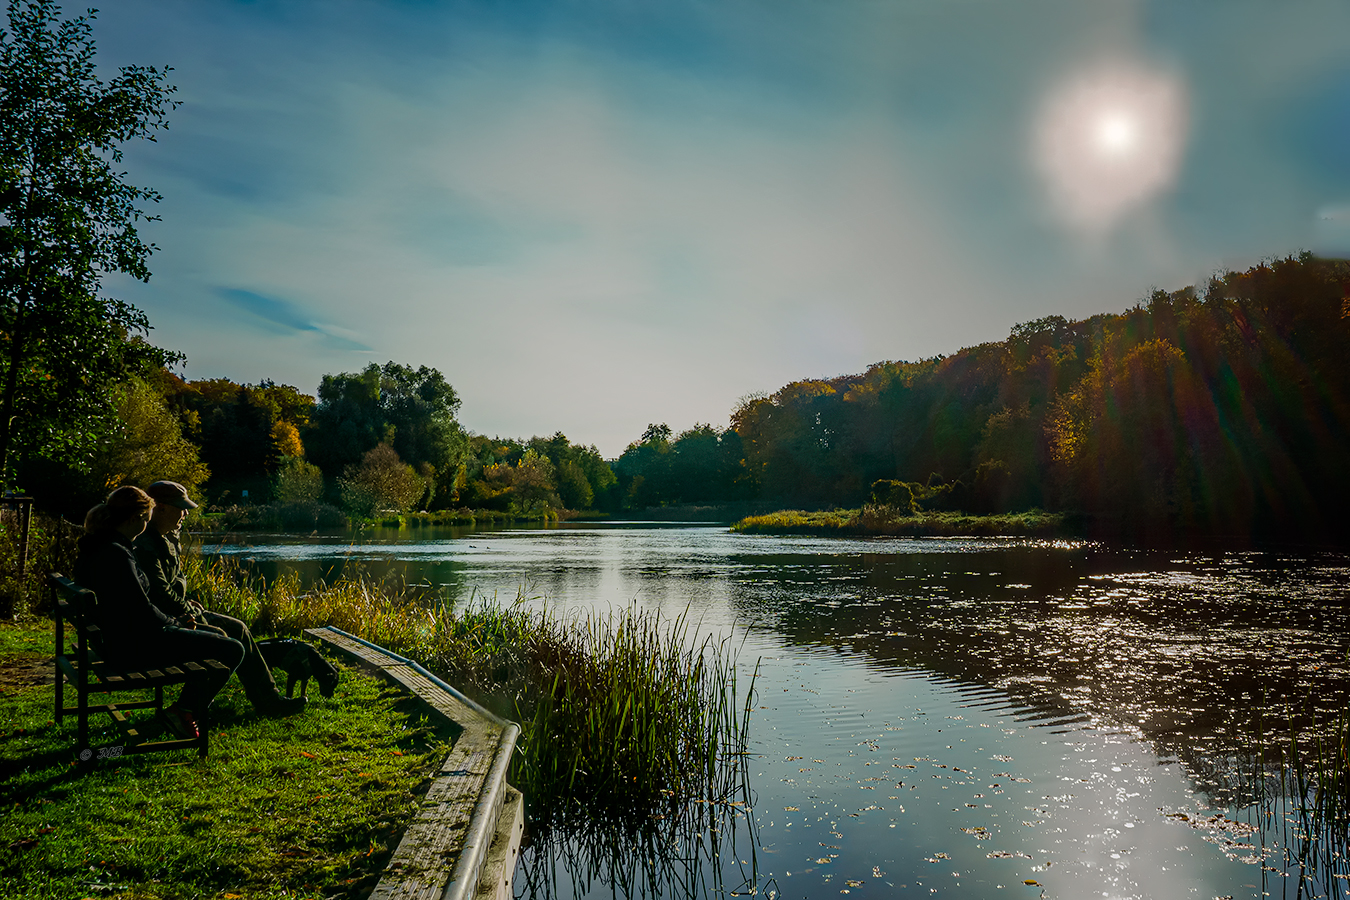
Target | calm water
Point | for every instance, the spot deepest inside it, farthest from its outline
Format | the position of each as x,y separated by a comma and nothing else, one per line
944,716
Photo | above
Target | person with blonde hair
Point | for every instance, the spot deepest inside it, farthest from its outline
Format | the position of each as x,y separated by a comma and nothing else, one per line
134,633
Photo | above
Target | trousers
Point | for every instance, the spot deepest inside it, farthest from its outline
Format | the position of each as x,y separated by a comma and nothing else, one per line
174,646
253,671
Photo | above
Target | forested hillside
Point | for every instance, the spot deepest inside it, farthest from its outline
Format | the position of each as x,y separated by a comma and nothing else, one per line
1215,410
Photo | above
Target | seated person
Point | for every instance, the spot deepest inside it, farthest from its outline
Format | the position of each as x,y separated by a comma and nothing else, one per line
134,633
157,552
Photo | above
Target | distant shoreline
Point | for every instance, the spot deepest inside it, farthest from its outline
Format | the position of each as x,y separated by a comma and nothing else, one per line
880,521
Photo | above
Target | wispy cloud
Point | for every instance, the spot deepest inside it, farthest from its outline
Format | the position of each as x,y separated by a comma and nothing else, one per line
284,317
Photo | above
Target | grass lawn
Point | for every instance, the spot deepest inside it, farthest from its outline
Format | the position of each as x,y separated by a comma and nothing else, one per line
305,807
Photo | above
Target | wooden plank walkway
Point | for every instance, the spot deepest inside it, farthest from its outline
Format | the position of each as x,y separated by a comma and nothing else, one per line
466,834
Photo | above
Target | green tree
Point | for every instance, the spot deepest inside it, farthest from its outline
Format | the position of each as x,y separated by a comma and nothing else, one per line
298,481
146,445
583,478
67,218
244,430
532,485
382,482
644,468
412,409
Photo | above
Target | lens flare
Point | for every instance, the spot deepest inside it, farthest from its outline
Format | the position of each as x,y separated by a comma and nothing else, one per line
1108,140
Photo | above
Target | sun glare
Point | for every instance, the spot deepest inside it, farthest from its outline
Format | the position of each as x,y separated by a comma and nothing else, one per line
1108,140
1116,134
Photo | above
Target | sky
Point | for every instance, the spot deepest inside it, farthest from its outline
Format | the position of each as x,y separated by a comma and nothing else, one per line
592,215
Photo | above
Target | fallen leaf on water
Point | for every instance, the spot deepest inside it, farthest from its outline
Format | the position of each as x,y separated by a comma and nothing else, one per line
1032,881
791,809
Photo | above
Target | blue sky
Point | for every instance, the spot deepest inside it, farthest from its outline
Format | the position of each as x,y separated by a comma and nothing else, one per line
595,215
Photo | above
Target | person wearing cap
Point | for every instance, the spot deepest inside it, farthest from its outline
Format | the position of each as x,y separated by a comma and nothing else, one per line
134,633
157,551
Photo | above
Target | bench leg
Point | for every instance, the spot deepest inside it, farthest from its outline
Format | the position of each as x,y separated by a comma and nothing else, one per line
82,701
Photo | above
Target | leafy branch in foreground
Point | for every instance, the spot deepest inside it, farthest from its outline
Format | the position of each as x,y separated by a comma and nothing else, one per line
67,218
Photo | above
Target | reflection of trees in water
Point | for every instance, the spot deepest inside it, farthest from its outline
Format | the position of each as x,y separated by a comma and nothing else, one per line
702,848
1183,652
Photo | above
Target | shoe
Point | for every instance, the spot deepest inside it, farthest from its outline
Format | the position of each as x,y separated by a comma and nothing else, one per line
280,706
181,723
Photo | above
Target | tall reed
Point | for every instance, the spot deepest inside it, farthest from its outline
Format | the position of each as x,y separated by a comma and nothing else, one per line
1299,783
619,713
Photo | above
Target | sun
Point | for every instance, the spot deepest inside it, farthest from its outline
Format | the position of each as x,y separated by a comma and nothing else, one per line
1107,140
1117,134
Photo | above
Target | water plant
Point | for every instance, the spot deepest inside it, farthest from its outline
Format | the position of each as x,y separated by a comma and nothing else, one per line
1297,784
891,521
619,713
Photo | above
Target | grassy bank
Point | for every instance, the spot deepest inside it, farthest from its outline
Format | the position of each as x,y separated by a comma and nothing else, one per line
621,713
304,516
309,806
887,521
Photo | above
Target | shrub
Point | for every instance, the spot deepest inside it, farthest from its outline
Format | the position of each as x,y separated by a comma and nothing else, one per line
896,494
381,482
298,481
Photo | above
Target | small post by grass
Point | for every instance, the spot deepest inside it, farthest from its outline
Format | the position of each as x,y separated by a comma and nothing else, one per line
308,806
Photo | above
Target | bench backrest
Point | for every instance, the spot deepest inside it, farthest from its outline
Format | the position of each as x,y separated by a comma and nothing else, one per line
76,605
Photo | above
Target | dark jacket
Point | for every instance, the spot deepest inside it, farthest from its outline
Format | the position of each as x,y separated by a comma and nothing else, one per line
157,555
126,616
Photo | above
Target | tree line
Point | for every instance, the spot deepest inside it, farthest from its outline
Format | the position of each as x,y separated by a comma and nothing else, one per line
1221,409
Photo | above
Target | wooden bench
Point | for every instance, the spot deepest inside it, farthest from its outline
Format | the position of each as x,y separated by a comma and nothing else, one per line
81,666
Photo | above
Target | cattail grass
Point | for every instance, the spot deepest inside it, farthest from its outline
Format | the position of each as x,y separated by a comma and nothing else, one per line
619,713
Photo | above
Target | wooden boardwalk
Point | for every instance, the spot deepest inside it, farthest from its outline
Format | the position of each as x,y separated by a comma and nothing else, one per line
465,838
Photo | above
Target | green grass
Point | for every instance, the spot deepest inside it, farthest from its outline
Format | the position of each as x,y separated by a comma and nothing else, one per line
304,517
309,806
887,521
618,713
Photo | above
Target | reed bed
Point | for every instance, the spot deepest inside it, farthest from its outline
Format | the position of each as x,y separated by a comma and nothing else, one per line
888,521
620,714
1299,785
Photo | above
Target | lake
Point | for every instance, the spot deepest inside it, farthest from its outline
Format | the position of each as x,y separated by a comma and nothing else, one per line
954,717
